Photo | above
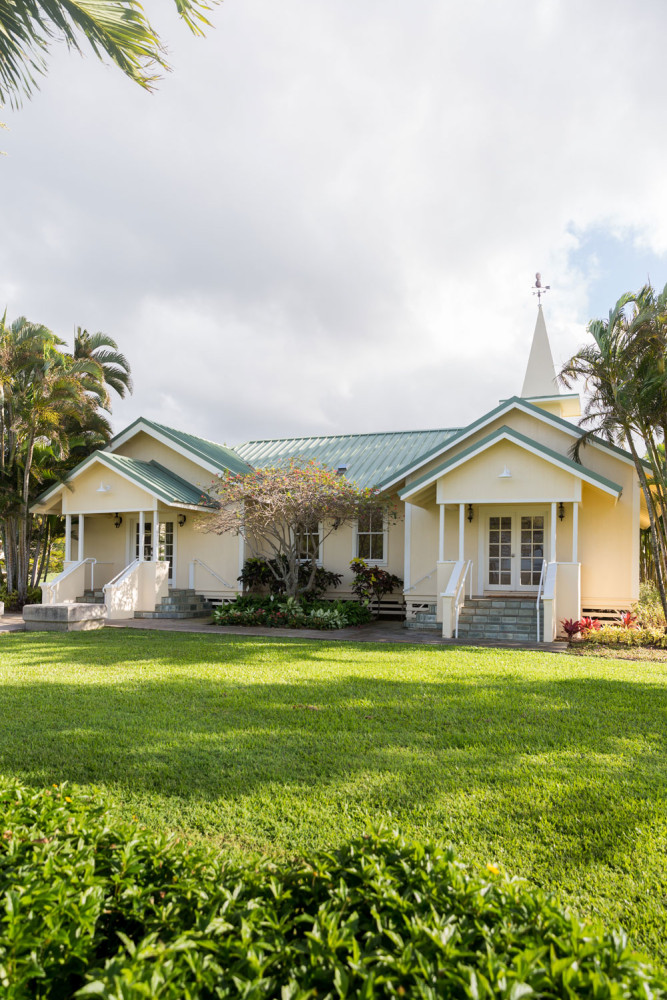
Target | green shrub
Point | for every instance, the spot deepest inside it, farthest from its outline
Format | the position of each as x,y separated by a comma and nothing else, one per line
11,601
257,576
649,607
272,612
616,635
94,907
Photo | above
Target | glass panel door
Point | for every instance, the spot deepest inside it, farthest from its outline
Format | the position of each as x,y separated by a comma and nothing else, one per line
165,547
532,550
148,542
500,551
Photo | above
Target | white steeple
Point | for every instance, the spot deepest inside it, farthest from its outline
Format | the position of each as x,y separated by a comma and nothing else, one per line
540,379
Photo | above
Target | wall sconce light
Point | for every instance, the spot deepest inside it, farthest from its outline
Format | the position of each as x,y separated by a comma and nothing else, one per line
470,513
181,520
103,488
117,521
561,511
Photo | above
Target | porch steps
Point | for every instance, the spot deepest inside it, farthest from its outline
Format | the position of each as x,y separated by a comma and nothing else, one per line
425,621
91,597
507,618
179,604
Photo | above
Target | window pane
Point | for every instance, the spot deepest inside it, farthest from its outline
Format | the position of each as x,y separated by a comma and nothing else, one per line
377,520
377,546
363,546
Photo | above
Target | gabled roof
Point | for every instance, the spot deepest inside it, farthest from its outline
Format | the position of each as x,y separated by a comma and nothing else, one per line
514,402
209,454
370,459
151,476
505,433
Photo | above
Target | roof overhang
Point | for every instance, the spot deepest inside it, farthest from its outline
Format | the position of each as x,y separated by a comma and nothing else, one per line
141,425
505,433
513,403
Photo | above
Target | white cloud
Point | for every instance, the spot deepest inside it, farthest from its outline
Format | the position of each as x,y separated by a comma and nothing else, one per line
329,216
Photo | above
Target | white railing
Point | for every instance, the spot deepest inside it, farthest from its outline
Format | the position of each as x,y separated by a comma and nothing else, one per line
120,576
50,589
467,572
200,562
421,580
539,597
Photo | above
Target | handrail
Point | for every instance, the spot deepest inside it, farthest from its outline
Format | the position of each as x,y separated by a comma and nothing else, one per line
211,571
412,586
50,584
466,571
539,595
122,573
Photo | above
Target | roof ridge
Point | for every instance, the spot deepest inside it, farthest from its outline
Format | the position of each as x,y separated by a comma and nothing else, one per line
175,430
331,437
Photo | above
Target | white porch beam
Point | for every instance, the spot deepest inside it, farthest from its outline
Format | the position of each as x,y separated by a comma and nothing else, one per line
575,532
68,537
552,546
142,533
441,534
81,538
462,515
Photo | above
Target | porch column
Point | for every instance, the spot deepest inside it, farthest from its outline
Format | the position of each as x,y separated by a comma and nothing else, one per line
575,532
462,521
142,532
68,537
406,547
552,546
441,535
80,552
156,534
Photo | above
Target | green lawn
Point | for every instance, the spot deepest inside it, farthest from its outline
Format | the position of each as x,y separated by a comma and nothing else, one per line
554,767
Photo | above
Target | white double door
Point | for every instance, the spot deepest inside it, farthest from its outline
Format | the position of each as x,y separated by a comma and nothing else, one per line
166,543
514,549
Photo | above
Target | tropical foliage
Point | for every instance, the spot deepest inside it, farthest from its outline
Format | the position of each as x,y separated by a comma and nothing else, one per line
53,408
271,612
259,577
284,515
117,29
371,583
624,372
96,907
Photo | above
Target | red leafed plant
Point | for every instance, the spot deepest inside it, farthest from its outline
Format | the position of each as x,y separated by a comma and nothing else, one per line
590,624
629,619
571,627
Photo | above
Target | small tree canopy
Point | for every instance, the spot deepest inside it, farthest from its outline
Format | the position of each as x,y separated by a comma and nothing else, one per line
273,509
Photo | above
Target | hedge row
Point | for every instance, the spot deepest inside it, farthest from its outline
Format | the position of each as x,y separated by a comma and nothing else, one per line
94,907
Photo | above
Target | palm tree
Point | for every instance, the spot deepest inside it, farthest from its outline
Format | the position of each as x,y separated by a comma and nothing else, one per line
624,373
103,349
118,29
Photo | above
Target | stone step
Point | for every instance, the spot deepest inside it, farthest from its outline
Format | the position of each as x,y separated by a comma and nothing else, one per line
426,618
423,626
172,614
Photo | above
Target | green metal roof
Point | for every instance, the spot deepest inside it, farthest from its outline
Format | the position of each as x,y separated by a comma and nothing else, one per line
371,459
509,432
216,454
150,476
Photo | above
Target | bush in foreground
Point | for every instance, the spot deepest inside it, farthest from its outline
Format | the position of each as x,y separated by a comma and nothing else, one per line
93,907
270,612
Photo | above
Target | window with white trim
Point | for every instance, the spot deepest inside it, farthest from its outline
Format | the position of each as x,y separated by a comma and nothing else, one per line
371,536
308,540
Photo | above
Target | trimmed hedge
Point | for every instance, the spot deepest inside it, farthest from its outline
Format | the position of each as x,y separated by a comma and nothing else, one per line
94,907
270,612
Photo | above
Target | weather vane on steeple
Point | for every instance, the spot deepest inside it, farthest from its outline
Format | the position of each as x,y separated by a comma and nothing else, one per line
539,289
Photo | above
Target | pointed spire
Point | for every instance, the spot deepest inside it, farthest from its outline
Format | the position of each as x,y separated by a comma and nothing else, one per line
540,377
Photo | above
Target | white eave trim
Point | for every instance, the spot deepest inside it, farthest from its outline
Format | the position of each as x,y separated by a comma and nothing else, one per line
543,416
505,436
132,431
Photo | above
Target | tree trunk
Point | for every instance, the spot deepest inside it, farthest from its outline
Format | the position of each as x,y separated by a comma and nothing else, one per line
657,548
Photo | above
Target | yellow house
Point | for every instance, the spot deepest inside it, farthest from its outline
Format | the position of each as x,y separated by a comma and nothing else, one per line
501,534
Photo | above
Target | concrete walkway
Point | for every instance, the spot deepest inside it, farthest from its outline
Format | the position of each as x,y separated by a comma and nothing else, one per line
388,632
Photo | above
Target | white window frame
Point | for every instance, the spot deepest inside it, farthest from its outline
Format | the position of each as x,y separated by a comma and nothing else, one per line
320,540
385,543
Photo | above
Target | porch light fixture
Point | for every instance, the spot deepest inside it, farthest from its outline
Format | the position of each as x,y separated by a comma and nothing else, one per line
470,513
561,511
181,520
505,474
117,521
103,488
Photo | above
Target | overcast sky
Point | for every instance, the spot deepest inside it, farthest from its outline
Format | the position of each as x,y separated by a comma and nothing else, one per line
329,216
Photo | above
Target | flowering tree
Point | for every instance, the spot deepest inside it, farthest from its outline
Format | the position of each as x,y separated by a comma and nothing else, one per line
286,513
